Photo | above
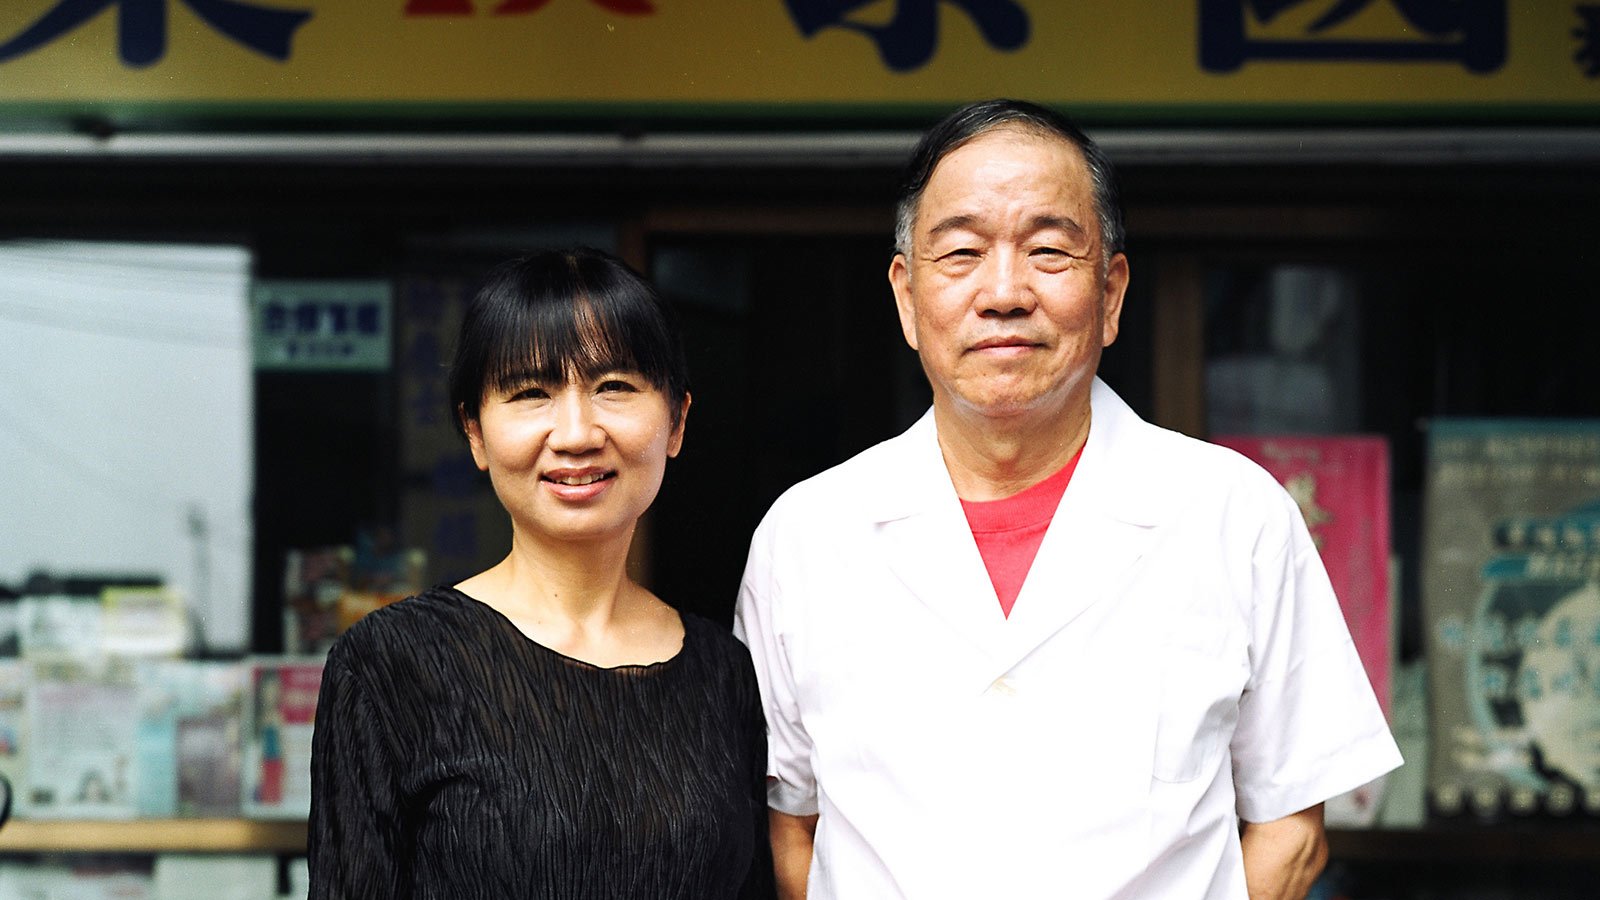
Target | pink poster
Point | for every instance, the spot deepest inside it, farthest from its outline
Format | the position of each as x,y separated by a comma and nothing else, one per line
1342,486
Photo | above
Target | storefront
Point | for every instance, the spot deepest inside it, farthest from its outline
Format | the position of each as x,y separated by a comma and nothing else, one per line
1343,219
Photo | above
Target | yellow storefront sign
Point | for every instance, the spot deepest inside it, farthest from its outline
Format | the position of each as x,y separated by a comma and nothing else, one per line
1163,58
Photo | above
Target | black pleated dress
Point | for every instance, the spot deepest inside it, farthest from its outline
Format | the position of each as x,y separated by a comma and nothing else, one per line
454,757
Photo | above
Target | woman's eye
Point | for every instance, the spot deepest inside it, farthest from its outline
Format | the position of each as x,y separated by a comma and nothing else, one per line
530,393
616,384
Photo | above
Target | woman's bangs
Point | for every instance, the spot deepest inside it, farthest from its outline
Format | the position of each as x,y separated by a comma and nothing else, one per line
554,342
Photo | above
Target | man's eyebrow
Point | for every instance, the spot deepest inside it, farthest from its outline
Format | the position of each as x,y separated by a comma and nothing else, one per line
1039,223
952,223
1065,223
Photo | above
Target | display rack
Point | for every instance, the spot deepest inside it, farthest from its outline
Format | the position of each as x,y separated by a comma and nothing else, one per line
155,836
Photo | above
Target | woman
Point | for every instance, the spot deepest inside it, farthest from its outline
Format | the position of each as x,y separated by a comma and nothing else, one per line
548,727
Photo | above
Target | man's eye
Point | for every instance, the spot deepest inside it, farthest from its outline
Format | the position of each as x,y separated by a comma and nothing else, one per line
531,393
616,384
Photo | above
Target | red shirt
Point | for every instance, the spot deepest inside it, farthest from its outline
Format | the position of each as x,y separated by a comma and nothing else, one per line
1009,530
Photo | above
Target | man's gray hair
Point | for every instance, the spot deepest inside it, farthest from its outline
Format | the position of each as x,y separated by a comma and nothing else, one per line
977,119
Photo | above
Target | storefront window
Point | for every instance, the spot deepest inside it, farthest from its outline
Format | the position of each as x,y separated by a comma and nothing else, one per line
126,424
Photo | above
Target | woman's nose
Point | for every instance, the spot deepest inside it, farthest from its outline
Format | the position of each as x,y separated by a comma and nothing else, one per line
575,430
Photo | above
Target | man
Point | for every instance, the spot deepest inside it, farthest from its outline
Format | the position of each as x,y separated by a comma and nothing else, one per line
1166,657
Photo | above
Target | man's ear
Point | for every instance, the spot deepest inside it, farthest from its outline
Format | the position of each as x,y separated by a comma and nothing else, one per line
1116,287
900,283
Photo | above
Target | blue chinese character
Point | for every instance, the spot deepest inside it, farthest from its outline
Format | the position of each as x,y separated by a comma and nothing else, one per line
1588,35
338,318
369,319
1528,685
274,318
908,41
1494,682
142,27
1453,634
1564,636
307,318
1477,26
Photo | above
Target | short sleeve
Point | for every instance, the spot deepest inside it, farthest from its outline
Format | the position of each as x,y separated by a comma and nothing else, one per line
1310,727
758,622
355,835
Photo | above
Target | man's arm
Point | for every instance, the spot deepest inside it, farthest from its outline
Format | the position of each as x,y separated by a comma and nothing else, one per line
792,837
1282,857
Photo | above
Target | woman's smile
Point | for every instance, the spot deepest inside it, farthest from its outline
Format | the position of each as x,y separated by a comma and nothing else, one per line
578,485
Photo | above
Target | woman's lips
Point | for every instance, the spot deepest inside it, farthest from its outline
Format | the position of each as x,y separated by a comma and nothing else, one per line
578,484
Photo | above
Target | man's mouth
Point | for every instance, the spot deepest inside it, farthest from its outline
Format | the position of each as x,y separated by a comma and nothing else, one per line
999,343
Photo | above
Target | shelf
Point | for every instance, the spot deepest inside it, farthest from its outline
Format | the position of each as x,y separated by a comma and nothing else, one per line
1484,844
154,836
1487,844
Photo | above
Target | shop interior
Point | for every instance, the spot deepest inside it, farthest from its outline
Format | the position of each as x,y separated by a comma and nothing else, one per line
1320,292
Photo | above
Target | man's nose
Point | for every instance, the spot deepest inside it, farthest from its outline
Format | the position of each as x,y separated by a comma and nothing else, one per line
575,429
1008,291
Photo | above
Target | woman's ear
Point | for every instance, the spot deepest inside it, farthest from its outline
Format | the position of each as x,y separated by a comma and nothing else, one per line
675,444
474,432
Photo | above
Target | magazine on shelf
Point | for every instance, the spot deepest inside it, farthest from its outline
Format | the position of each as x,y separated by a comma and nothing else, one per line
1511,606
190,738
13,724
281,707
81,722
1341,483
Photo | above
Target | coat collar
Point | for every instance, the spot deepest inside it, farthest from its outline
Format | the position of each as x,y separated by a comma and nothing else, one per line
914,479
1100,532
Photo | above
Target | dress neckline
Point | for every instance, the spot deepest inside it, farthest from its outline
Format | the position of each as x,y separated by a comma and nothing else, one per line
573,661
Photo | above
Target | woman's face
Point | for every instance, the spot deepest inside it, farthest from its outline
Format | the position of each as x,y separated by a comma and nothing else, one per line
577,460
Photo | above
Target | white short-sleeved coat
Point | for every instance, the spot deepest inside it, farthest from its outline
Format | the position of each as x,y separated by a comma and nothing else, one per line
1176,661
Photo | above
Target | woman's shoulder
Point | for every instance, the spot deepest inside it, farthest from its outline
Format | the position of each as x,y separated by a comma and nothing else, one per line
714,642
436,605
403,628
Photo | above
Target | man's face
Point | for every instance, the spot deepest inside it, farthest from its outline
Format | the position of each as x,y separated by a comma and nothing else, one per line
1004,295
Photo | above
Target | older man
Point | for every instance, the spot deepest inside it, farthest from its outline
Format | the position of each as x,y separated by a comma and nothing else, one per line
1034,646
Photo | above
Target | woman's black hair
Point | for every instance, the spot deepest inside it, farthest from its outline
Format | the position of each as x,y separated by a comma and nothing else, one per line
554,314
